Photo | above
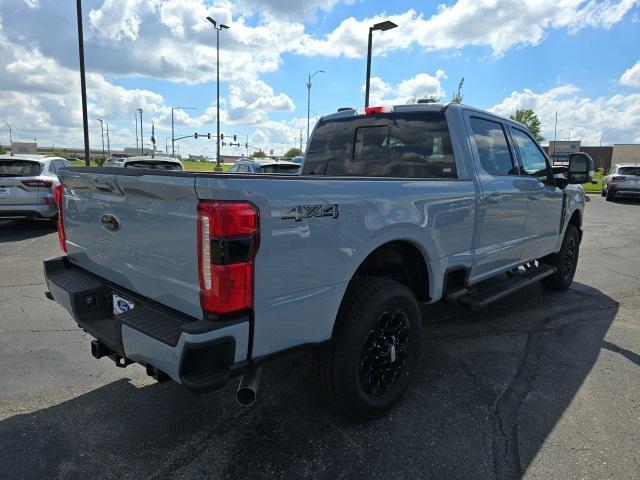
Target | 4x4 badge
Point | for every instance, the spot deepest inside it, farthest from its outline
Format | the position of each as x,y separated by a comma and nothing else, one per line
298,212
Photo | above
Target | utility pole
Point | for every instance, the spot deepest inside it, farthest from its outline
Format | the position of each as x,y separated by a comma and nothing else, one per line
11,136
219,27
83,84
136,117
301,141
141,134
153,139
108,141
555,138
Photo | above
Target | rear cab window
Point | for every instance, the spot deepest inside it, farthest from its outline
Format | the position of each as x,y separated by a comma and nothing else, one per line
493,148
19,168
399,144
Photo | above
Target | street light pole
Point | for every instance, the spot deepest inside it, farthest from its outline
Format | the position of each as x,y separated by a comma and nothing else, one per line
141,135
382,26
102,133
83,84
309,100
218,27
173,152
108,141
136,117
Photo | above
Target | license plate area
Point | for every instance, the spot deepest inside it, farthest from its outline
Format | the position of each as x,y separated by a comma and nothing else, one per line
121,304
5,191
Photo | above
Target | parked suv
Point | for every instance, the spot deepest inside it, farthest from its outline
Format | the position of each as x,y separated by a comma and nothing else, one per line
202,277
27,185
623,181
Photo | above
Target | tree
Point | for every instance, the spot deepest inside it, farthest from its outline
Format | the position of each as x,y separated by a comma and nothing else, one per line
457,97
293,152
529,119
58,153
258,154
2,150
425,97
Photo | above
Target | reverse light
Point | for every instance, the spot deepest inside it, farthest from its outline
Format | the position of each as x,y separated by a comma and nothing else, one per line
37,183
59,197
228,236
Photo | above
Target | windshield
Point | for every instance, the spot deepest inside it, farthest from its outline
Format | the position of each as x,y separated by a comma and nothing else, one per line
286,169
401,145
19,168
158,165
629,171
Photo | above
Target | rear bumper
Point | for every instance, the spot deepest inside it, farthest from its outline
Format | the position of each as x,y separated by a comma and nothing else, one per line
200,354
28,211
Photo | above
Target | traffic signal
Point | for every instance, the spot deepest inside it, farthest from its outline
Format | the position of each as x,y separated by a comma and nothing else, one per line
195,135
209,136
235,138
222,136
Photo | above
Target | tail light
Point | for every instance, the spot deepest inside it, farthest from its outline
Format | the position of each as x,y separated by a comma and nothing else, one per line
62,237
38,183
228,236
618,178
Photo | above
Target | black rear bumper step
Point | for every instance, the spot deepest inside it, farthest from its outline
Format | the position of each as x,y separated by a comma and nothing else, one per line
154,323
483,297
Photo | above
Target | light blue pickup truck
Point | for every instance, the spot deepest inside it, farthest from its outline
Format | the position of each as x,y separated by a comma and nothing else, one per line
201,277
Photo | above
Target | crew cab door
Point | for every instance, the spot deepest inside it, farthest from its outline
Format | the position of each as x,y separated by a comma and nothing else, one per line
500,229
544,199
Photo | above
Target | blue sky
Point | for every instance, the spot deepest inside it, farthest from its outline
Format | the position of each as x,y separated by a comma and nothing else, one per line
580,58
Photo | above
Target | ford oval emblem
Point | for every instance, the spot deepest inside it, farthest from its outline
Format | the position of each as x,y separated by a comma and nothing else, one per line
110,222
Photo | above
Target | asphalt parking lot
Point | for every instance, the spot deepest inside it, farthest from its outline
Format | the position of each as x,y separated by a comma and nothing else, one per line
541,385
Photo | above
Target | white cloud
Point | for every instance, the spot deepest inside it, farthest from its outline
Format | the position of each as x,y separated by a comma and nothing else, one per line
583,118
421,85
631,77
500,25
291,9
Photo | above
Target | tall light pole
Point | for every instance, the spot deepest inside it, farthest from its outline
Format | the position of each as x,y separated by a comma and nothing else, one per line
83,84
10,136
136,117
382,26
309,100
102,132
141,135
108,141
218,27
173,152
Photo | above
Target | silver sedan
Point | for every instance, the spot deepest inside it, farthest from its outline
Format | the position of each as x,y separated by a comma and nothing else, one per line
27,184
623,181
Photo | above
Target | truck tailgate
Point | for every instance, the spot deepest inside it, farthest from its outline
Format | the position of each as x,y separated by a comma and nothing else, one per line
137,231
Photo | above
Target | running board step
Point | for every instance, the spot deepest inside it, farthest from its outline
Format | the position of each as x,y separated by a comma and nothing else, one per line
484,297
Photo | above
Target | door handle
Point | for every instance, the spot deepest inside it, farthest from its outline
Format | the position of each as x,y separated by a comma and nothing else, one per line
535,196
496,198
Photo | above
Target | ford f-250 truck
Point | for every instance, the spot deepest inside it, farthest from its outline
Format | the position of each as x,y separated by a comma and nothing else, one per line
201,277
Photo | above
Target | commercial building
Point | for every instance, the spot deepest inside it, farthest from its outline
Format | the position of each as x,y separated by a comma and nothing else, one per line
625,153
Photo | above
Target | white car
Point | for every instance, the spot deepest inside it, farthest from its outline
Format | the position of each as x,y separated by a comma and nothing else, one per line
156,163
27,184
623,181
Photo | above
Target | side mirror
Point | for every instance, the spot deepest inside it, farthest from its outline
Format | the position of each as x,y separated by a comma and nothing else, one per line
580,168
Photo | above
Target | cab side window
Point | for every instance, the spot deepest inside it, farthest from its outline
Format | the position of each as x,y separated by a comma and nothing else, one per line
493,149
533,161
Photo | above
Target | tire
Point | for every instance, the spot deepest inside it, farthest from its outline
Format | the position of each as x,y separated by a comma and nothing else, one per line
603,193
565,261
375,348
609,196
